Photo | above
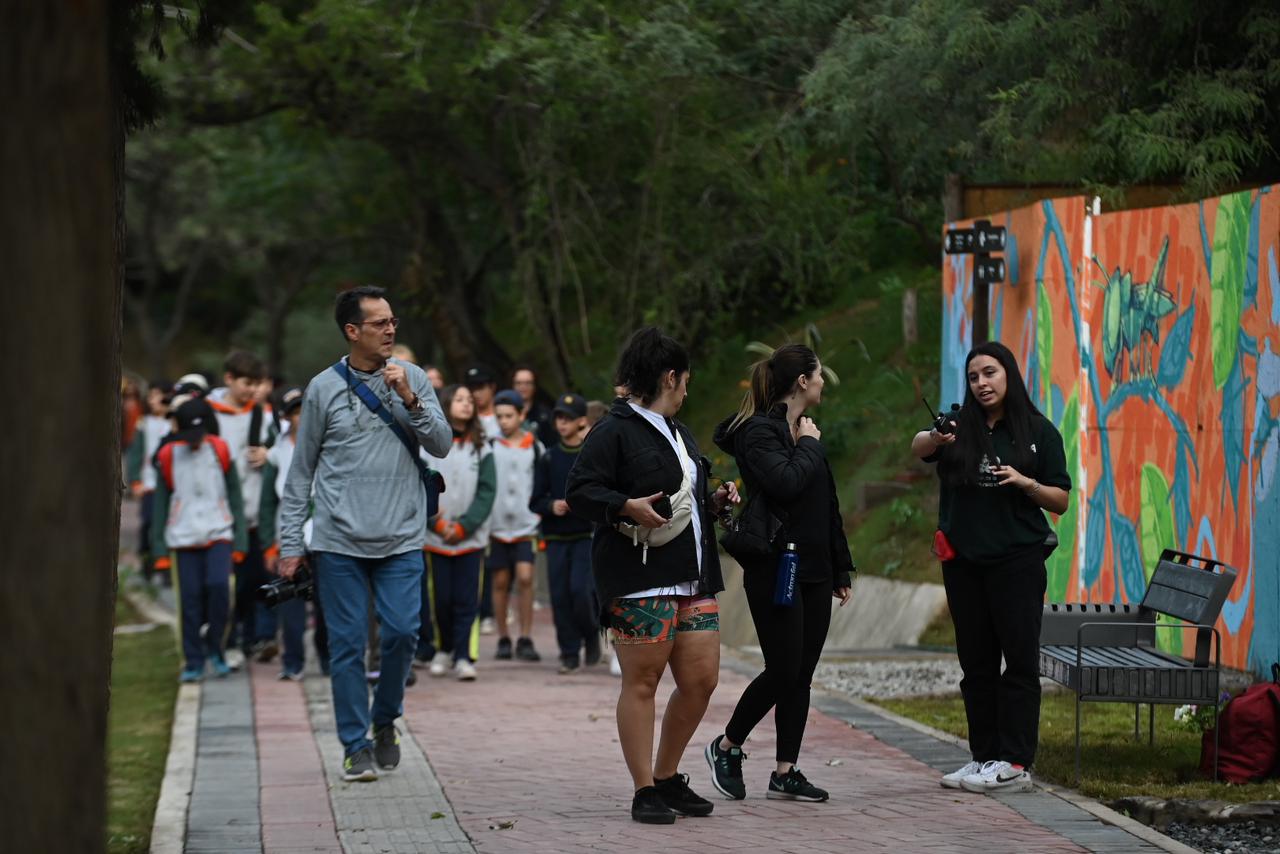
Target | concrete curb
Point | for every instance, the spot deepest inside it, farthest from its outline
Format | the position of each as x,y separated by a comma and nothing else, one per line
151,611
1095,808
169,830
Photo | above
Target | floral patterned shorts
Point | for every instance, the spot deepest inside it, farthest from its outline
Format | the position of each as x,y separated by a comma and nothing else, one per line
655,619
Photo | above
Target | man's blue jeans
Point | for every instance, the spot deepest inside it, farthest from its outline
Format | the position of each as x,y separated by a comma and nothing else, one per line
344,585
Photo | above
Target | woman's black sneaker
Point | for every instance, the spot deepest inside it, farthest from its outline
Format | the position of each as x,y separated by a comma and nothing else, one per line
726,769
792,786
504,649
676,794
525,650
648,807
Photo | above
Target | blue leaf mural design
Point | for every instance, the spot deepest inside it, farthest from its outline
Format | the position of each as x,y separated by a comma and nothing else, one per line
1011,252
1128,552
1176,352
1182,493
1095,537
1233,428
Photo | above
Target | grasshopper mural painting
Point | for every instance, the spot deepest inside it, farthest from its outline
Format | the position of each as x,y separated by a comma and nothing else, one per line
1151,338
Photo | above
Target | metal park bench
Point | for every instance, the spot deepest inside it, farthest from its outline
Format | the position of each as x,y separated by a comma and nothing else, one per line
1107,653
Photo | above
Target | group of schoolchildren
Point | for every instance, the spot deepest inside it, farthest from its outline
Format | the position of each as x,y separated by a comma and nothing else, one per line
208,467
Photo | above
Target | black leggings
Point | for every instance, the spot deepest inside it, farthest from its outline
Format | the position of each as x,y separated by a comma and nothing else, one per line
791,639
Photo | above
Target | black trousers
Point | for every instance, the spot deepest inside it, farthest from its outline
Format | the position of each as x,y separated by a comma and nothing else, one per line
791,639
996,609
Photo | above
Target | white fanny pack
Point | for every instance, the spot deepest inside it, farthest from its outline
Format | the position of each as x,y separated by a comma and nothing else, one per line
681,512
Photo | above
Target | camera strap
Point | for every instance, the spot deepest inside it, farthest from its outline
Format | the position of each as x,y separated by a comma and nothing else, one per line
370,400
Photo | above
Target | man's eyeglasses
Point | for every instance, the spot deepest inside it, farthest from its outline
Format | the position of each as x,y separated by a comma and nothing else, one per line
381,325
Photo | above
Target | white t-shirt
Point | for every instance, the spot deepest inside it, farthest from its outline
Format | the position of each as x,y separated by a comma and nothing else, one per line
687,588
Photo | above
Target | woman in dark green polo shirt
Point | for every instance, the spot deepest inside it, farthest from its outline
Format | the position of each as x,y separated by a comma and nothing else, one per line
1000,468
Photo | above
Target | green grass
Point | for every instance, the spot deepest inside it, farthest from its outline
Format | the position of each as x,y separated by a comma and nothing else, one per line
940,633
144,685
1113,764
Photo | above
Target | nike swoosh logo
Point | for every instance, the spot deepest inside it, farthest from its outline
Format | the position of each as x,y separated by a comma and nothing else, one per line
1000,778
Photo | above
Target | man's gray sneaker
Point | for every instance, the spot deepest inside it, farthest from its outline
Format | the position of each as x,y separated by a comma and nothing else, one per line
386,747
358,767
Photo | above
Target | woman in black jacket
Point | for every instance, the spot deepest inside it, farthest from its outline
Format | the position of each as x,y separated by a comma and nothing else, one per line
1001,464
779,452
641,480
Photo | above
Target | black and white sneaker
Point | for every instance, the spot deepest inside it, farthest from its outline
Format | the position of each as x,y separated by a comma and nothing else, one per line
675,793
504,649
386,747
726,769
358,767
998,777
647,807
792,786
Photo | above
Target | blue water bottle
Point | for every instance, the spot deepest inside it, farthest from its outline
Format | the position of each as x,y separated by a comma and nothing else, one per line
788,564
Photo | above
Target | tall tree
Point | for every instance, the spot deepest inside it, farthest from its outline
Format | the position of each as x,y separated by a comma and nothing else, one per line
57,218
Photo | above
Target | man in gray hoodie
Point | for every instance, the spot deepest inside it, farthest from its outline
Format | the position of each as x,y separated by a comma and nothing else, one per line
370,519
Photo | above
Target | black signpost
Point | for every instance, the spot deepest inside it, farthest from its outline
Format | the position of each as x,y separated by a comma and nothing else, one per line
980,241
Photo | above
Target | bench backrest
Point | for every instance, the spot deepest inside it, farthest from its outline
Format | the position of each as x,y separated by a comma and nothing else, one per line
1194,593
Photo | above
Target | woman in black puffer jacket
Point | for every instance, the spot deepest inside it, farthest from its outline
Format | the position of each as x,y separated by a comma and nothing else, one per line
779,452
642,481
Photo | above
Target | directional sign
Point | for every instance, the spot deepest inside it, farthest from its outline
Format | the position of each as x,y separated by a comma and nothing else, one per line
988,237
960,241
987,270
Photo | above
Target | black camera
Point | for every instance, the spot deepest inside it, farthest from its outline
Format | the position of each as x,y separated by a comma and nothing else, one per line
301,586
944,422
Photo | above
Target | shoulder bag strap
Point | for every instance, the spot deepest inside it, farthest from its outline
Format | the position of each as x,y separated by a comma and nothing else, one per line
370,400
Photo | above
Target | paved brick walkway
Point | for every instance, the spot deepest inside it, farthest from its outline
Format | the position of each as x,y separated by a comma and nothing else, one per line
527,760
530,762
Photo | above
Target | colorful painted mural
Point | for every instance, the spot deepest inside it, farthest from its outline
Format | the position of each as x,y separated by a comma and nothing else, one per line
1151,338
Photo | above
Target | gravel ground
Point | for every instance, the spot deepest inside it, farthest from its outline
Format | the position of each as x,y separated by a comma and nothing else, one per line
1245,837
890,677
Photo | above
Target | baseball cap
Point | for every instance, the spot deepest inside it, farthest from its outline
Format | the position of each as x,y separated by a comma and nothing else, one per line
573,405
195,420
290,400
478,375
508,397
189,383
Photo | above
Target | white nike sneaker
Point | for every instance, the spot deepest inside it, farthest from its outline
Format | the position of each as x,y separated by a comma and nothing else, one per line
439,664
998,777
952,780
464,670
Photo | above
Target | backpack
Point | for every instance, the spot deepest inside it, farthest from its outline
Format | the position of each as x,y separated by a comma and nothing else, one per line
1248,735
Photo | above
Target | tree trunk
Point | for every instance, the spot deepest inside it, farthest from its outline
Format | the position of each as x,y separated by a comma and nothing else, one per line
61,217
953,197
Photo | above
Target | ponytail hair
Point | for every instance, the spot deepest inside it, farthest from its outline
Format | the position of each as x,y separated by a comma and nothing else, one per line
649,354
773,378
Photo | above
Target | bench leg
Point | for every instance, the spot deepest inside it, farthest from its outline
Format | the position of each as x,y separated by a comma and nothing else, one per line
1077,740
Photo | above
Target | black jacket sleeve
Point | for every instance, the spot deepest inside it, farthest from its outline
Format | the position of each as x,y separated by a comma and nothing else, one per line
842,567
540,495
592,492
783,470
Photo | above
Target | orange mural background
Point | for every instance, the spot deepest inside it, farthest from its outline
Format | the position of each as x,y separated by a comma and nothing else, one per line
1150,338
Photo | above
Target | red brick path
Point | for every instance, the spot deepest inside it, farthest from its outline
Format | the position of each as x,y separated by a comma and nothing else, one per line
525,745
296,815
